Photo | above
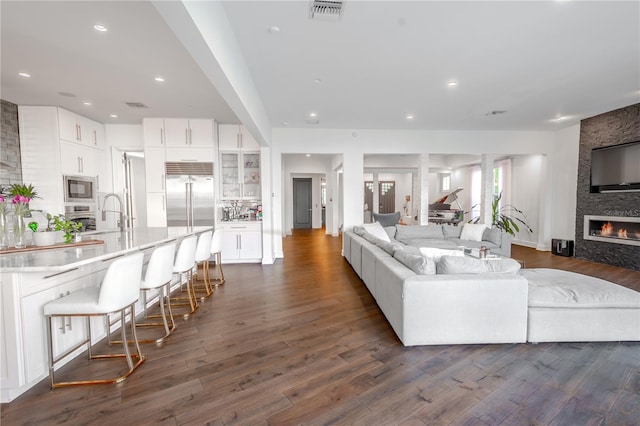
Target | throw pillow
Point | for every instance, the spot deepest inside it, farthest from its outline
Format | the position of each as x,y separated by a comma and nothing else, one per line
451,231
388,247
391,232
492,235
469,265
417,264
358,230
472,231
376,230
387,219
436,253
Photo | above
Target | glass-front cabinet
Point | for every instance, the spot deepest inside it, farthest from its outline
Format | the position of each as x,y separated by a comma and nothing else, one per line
240,175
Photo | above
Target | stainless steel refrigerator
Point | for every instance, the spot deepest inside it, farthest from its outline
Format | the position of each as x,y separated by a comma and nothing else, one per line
190,197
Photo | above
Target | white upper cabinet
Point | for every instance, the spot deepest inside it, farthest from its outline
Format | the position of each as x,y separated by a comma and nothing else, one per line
68,126
77,160
233,137
181,132
153,129
76,128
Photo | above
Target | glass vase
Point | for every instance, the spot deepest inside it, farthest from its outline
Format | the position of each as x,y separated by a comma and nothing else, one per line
3,230
19,231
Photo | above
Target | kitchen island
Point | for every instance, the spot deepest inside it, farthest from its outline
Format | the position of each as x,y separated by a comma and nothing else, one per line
29,280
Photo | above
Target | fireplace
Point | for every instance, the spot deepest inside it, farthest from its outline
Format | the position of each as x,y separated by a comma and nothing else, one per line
612,229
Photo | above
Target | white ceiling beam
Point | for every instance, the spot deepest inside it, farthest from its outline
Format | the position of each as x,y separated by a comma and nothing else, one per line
204,30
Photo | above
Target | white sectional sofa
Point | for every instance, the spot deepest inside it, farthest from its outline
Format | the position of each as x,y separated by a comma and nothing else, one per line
441,309
535,305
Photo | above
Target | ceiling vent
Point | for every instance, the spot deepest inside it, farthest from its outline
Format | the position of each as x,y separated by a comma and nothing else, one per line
490,113
136,105
326,9
312,120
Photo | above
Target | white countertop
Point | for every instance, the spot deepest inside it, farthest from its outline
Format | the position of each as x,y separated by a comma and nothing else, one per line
115,243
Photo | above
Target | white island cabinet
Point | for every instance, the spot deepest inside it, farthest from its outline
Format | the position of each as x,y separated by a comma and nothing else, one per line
31,279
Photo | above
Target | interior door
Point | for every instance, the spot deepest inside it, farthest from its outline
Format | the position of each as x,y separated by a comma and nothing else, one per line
368,195
387,197
302,203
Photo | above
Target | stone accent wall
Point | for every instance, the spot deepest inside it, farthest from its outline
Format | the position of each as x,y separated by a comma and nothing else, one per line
10,164
611,128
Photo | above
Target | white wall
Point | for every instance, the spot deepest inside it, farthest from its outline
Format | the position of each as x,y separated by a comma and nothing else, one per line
564,177
526,185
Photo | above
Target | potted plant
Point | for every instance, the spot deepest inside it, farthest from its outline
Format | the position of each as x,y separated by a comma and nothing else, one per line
22,191
57,228
506,218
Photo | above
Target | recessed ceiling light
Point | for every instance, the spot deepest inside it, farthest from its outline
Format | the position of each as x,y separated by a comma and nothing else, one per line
159,79
24,74
313,114
114,116
87,103
307,155
67,94
100,28
452,83
560,118
410,117
317,80
284,123
274,29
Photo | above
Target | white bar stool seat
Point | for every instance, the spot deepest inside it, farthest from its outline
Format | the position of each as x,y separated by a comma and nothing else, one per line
120,290
216,252
158,277
203,252
183,268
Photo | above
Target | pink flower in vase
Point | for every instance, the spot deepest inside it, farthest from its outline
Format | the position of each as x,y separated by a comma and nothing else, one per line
20,204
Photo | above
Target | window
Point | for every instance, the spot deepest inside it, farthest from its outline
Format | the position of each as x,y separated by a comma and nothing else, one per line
445,182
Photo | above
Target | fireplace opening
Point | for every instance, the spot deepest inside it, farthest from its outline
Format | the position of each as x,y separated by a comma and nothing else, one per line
621,230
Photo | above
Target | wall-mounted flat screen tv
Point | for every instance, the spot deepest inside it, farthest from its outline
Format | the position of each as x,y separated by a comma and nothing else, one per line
616,168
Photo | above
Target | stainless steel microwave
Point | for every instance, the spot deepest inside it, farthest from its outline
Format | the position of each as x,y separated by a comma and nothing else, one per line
79,189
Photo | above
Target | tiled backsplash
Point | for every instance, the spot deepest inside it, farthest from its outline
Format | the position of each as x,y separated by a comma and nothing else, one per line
10,164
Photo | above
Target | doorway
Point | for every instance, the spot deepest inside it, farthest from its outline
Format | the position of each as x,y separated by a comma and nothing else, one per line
302,203
386,196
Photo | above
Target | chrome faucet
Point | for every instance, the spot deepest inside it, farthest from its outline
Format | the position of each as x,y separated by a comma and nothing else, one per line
122,222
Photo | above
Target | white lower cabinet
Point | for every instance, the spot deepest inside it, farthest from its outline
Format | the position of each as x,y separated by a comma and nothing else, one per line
241,242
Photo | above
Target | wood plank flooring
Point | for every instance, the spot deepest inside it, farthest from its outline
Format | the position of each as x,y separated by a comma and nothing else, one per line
303,342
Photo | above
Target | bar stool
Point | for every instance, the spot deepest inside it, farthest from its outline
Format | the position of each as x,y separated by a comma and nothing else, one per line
120,290
203,252
183,268
216,251
158,277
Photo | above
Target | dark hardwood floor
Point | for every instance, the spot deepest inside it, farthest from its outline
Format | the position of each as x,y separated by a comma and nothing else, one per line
303,342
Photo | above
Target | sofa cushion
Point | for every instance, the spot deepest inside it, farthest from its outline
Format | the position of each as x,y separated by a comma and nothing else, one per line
423,242
376,230
388,246
436,253
418,264
469,265
472,231
419,231
451,231
553,288
387,219
358,230
493,235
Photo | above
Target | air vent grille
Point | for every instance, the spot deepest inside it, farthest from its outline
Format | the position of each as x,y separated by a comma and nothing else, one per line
326,9
189,168
136,105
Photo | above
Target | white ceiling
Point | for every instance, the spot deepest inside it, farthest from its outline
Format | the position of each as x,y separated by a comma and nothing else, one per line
381,61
